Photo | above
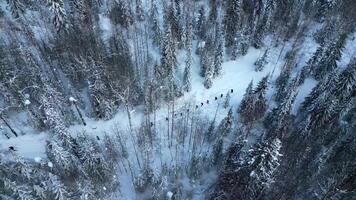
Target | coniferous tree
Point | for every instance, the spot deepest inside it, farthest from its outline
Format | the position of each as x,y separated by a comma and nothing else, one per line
260,104
282,83
218,152
17,7
187,85
219,51
60,16
329,60
201,23
139,11
279,120
168,55
121,14
227,100
263,161
261,62
245,108
155,26
231,21
225,126
346,82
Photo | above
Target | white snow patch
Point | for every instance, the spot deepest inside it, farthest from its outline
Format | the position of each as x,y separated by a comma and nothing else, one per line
72,99
169,195
27,102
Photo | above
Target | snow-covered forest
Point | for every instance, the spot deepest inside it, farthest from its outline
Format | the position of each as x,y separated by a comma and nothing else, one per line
177,99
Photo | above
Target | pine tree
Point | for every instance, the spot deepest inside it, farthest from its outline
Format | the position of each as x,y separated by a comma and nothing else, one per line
62,160
168,55
329,60
139,11
60,16
19,190
231,21
225,126
219,52
155,26
57,188
218,152
254,104
201,23
259,33
282,83
346,82
172,19
187,85
260,104
263,161
261,62
17,8
121,14
208,80
227,100
245,108
279,120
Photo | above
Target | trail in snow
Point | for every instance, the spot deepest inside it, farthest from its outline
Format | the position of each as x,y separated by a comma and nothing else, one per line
236,75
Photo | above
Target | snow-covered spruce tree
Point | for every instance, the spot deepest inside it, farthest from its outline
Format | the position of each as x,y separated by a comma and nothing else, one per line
227,100
172,20
187,85
346,82
323,7
154,24
60,16
207,57
208,80
225,126
140,15
263,160
54,121
282,83
229,178
121,14
200,30
64,163
218,154
260,101
284,76
231,21
308,69
18,190
279,120
329,60
257,39
99,93
17,7
56,188
168,53
219,51
246,105
261,62
94,164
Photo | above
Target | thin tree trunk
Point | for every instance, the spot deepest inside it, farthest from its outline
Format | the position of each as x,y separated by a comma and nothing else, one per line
79,113
8,125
